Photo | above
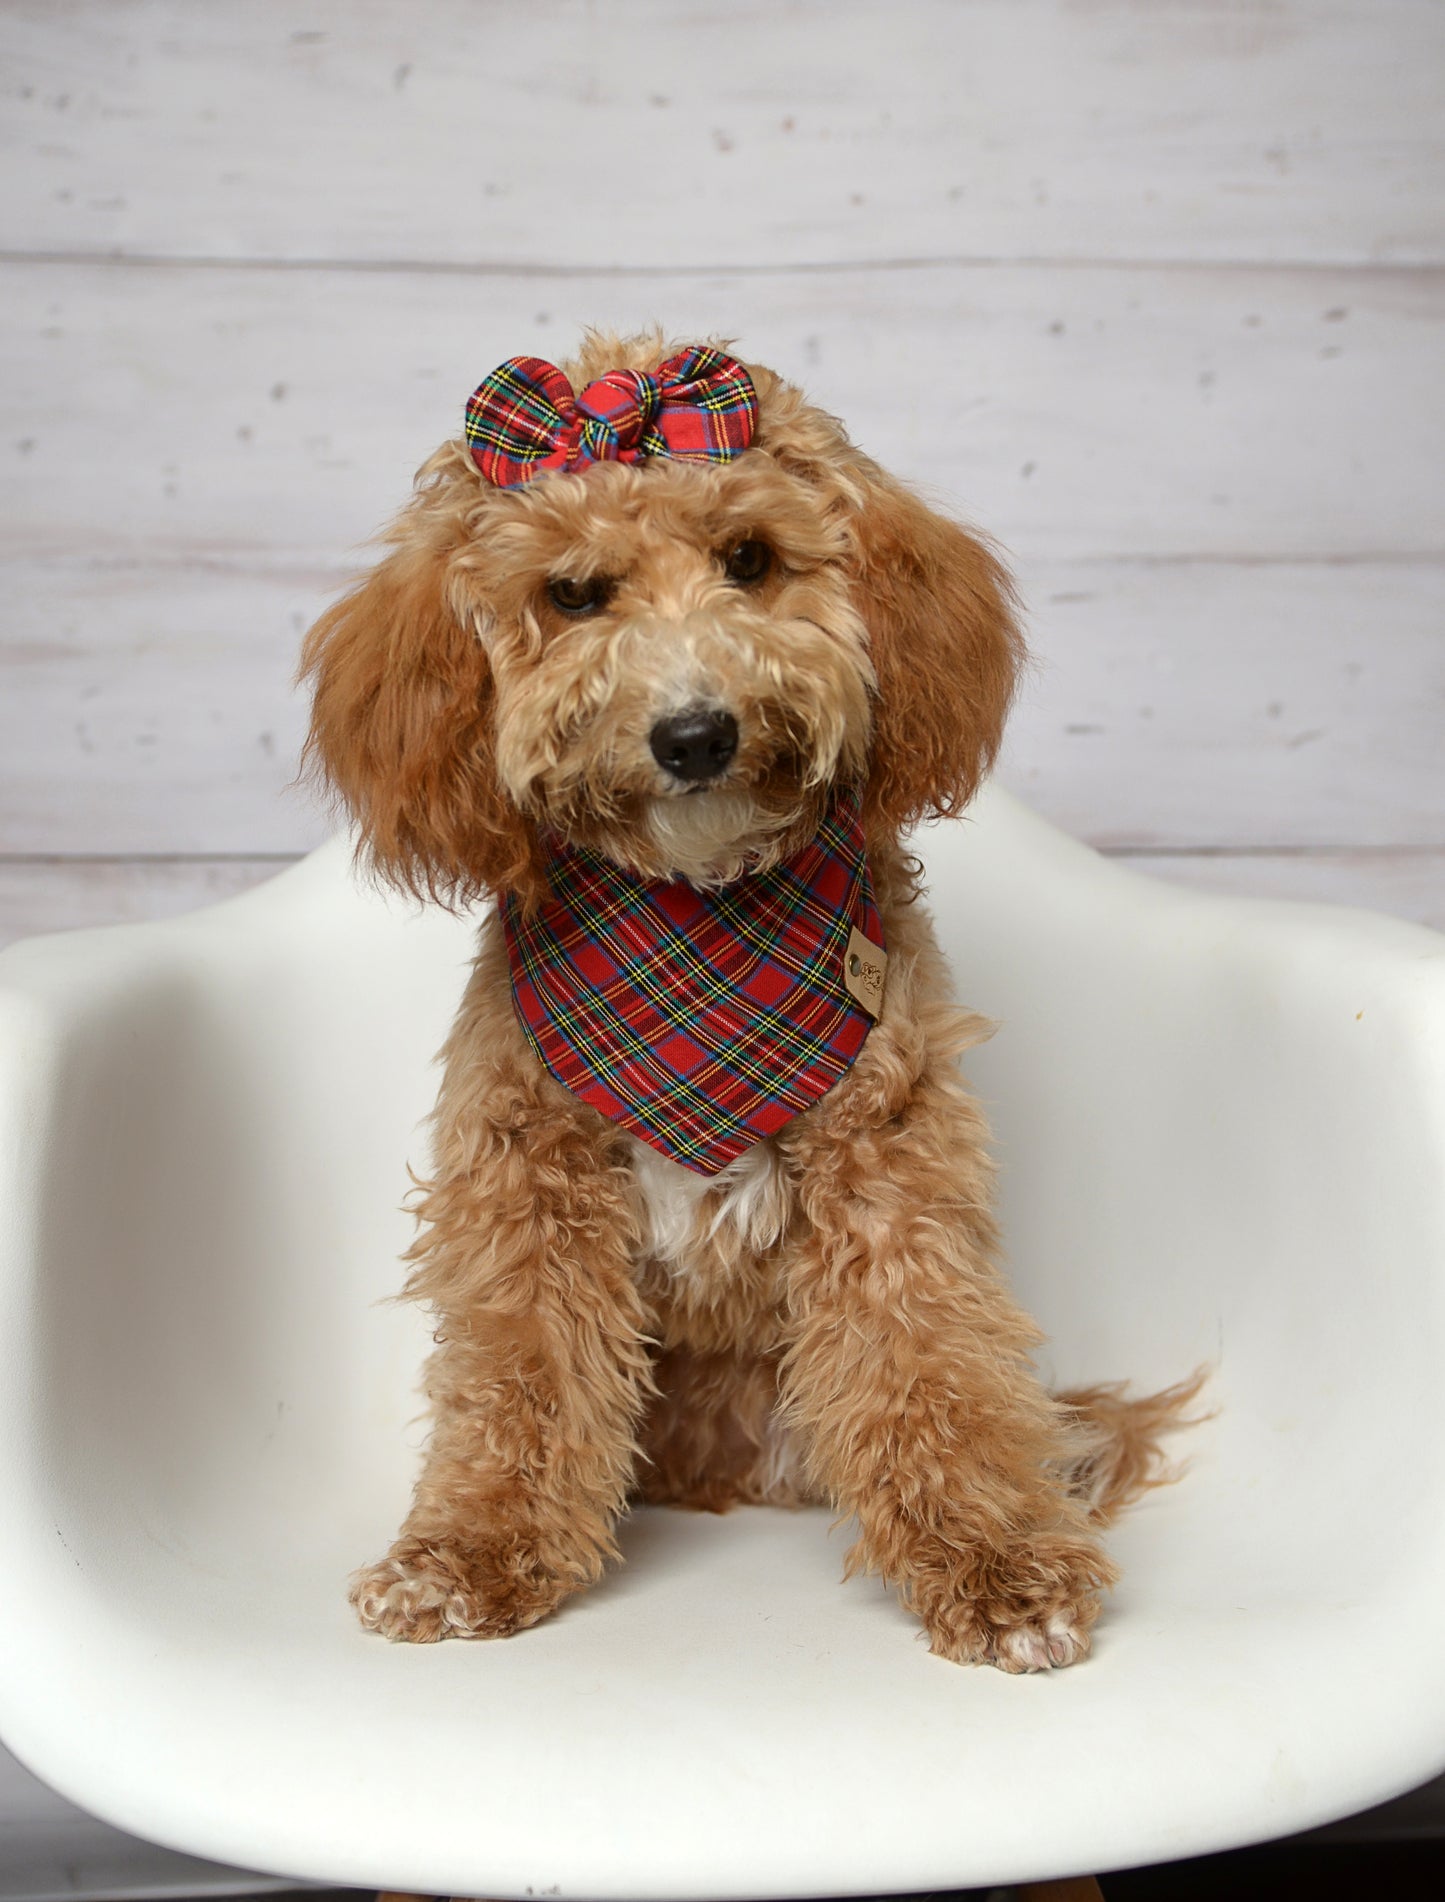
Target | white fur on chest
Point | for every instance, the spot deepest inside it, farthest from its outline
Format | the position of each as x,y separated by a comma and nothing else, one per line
684,1215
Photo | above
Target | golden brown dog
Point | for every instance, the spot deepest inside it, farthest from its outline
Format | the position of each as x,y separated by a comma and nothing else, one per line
824,1319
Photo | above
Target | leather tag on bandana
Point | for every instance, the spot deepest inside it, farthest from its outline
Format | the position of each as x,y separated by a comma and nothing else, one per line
864,969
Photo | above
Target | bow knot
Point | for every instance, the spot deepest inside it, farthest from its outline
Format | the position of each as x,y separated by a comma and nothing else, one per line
616,412
525,420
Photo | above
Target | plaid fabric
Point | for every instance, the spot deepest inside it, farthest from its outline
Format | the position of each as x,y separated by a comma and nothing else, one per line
701,1021
525,421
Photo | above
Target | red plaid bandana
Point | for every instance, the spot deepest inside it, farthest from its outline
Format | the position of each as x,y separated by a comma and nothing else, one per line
526,421
701,1021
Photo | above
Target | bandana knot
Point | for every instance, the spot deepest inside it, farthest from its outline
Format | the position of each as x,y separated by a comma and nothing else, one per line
525,420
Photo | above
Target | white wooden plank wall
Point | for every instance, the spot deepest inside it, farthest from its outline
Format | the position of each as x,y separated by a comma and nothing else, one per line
1152,289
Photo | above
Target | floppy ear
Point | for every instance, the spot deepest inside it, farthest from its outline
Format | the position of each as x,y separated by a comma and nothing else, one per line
401,729
946,650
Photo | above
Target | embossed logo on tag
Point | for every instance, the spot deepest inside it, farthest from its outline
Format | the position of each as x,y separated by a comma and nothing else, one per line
864,969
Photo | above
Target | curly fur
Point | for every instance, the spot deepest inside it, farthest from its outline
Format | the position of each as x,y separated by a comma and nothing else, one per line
826,1319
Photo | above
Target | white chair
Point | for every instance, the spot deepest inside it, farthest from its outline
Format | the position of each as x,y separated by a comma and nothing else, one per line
1222,1133
50,1851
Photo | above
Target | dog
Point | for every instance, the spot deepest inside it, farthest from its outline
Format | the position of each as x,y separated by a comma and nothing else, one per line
666,665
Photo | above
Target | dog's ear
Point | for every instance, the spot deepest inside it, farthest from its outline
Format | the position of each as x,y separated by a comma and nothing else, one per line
401,730
946,650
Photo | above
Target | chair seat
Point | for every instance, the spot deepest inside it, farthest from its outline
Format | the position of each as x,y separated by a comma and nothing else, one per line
1221,1131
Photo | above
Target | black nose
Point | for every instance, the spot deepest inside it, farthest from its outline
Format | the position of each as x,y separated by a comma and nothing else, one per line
695,746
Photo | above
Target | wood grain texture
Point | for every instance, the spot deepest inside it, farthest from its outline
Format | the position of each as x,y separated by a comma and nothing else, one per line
762,134
43,895
1189,704
148,704
1074,410
1150,288
148,707
1407,884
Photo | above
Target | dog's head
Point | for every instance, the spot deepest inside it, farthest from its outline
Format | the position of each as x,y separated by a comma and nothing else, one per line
671,661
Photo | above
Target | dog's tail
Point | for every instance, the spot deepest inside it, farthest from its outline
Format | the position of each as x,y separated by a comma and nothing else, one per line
1114,1452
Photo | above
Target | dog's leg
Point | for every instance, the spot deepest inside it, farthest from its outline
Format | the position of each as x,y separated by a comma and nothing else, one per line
541,1370
909,1377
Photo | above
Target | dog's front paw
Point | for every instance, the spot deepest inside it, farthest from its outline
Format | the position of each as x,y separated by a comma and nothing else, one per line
1034,1644
425,1591
1030,1611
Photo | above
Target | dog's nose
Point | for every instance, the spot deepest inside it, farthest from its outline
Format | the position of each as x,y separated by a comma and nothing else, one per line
695,746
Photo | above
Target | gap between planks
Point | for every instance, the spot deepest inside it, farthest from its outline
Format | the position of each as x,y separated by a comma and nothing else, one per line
1412,849
811,267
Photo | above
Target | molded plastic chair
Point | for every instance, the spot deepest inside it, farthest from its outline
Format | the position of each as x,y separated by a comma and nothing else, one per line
1221,1127
52,1852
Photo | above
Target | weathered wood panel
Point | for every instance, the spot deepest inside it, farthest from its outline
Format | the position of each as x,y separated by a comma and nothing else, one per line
1075,411
43,895
537,131
1197,703
1407,884
1220,484
148,707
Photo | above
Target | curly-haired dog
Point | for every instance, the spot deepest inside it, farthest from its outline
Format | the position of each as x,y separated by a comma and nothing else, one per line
677,651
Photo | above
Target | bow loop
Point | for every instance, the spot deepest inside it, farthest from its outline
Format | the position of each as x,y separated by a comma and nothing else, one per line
525,420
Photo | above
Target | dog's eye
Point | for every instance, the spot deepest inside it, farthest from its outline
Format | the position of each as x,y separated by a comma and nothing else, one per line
748,562
578,597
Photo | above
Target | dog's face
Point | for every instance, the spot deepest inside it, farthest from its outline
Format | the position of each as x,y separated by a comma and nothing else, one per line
671,662
678,669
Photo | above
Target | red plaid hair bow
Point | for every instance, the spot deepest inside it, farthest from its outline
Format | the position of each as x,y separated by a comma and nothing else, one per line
526,420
